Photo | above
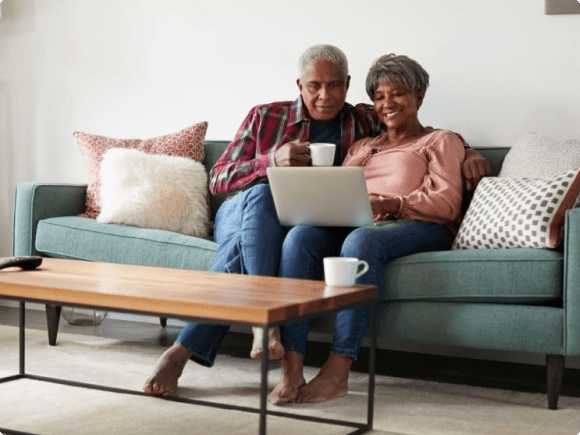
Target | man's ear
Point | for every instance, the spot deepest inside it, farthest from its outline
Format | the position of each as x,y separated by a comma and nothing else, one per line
299,83
347,82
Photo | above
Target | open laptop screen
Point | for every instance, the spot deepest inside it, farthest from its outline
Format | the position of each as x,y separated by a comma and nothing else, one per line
321,196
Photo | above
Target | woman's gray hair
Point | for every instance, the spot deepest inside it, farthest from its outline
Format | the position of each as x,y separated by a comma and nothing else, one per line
322,51
397,70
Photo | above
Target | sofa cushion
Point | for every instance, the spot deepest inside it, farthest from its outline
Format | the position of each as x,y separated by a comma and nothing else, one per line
86,239
185,143
523,276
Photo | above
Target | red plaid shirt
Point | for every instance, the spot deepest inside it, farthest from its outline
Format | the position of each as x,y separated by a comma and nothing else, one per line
266,128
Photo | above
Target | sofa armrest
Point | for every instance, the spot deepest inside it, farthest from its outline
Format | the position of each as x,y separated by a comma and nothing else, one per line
571,282
34,202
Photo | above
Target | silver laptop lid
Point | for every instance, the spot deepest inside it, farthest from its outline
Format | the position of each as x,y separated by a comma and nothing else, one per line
321,196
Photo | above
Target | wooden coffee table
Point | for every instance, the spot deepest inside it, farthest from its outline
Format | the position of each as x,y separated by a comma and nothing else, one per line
188,295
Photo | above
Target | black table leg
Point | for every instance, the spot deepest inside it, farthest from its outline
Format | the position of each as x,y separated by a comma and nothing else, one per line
22,338
372,362
264,382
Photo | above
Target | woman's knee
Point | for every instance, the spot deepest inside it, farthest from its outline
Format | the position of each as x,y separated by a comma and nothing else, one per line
357,243
303,237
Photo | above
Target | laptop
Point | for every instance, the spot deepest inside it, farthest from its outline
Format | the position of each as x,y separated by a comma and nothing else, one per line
321,196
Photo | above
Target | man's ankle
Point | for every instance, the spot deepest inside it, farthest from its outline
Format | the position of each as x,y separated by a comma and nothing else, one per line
180,353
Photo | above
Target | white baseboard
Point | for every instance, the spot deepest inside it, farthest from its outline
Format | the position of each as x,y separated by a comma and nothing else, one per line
110,315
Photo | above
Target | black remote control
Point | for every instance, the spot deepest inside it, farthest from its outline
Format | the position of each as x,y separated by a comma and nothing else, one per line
26,263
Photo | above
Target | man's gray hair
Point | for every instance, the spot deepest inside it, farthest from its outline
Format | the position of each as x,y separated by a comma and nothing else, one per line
397,70
322,51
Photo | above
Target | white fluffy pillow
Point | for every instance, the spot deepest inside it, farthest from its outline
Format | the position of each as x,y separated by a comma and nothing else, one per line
154,191
536,156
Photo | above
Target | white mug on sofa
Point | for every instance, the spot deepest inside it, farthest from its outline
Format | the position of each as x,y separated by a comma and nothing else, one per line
343,271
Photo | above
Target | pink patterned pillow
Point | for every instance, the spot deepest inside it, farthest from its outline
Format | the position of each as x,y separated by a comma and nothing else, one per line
185,143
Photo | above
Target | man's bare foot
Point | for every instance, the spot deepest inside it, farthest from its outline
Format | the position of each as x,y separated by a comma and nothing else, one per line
330,383
292,379
168,370
275,348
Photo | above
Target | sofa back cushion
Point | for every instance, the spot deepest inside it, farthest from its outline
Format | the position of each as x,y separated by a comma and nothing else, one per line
213,149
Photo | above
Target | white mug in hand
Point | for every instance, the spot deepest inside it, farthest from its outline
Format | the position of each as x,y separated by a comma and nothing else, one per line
343,271
322,154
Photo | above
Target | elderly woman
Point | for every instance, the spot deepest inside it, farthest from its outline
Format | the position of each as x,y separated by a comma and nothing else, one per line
413,175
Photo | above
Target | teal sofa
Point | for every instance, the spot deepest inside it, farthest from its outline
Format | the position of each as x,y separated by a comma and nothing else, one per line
515,300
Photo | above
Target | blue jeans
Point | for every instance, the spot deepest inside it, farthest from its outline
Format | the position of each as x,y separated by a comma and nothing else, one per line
249,238
305,247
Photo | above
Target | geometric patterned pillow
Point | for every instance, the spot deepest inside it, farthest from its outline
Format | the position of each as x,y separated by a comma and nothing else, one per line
518,212
185,143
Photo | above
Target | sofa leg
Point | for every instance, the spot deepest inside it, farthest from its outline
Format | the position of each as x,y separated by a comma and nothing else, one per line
52,319
555,373
163,321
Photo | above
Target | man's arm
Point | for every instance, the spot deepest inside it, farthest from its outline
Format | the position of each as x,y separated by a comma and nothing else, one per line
241,163
294,153
475,167
264,139
367,123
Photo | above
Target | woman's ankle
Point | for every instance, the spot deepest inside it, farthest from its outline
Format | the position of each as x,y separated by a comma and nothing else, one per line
292,362
337,365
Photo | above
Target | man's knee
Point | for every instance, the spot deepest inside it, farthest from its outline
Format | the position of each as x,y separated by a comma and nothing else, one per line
260,192
258,202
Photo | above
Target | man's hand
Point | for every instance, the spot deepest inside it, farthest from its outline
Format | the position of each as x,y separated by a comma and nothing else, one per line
384,207
293,153
475,167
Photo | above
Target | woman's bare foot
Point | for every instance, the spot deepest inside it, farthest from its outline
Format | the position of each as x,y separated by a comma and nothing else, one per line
275,348
292,379
168,370
330,383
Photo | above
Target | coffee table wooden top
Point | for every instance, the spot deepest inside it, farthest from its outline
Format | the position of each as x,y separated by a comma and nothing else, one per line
178,292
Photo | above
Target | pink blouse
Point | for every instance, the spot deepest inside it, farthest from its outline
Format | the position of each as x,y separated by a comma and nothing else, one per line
425,174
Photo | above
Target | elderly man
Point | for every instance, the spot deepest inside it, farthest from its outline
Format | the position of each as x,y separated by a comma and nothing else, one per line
247,230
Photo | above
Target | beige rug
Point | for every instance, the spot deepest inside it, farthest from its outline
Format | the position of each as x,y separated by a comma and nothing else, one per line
403,407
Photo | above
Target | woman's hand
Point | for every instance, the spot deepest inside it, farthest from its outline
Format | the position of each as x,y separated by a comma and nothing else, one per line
384,207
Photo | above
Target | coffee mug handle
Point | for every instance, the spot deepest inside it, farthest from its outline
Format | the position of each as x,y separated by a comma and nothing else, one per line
365,268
